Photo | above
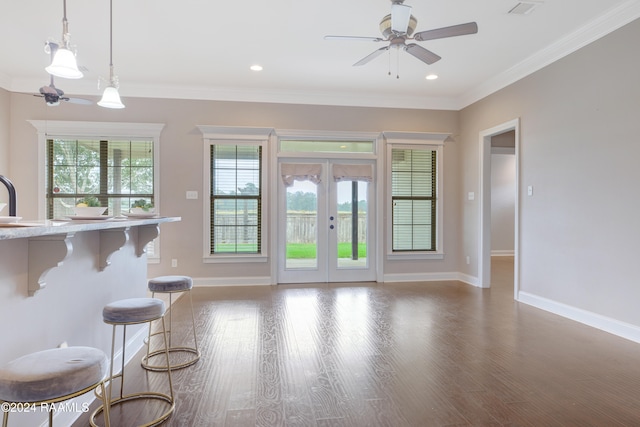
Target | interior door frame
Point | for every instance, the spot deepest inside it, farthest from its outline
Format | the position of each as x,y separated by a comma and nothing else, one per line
484,238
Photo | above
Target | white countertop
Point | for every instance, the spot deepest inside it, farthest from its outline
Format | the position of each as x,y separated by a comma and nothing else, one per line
25,228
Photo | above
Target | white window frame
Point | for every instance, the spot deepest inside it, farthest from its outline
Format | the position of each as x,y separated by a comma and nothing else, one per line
216,135
416,141
58,129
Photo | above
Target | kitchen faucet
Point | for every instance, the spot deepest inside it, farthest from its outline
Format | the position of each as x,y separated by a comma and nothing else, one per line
12,194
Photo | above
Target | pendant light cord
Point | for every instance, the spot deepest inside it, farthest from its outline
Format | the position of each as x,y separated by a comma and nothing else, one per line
111,33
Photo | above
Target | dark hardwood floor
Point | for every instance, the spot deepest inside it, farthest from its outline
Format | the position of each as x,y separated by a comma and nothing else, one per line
395,354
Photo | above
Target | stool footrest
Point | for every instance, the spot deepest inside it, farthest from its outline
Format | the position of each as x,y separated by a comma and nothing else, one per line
162,368
147,395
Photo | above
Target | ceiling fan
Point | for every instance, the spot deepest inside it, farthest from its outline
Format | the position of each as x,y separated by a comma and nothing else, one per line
397,28
52,95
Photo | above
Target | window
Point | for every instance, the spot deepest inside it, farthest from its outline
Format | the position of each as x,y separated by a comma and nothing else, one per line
116,162
115,172
413,199
235,212
236,199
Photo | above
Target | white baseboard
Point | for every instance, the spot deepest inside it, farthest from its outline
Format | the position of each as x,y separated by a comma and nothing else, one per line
598,321
231,281
430,277
63,418
506,252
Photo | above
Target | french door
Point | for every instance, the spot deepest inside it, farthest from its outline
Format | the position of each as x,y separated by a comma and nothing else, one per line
326,225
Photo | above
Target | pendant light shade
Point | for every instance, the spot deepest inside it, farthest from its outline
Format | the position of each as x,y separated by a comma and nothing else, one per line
64,65
64,60
110,98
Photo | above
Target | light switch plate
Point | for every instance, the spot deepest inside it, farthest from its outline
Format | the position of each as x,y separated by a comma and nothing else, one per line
192,195
471,195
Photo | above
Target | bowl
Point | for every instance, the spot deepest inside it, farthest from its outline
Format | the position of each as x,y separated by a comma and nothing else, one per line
143,211
89,211
2,205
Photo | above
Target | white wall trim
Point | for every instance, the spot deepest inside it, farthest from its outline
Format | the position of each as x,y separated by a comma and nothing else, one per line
599,27
502,252
429,277
204,282
484,212
598,321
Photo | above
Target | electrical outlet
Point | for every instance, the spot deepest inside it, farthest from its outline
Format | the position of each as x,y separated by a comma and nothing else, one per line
174,263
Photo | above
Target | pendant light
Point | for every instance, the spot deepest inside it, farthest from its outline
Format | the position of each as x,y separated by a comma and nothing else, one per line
110,96
64,61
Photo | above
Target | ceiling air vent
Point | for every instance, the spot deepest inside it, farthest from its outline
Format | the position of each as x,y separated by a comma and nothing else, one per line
524,7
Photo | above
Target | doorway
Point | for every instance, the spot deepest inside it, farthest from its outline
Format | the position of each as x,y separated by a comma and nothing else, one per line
512,130
326,232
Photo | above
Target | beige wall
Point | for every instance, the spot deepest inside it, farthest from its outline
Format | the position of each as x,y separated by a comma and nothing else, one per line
580,131
181,163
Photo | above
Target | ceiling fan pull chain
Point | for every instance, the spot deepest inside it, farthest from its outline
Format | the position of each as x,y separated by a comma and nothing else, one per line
397,63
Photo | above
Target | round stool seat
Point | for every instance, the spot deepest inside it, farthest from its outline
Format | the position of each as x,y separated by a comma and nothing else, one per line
133,310
170,284
51,374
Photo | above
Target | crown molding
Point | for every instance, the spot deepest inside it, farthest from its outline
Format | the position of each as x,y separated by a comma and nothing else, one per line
596,29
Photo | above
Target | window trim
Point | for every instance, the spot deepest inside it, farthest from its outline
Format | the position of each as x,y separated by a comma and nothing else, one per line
59,129
415,141
215,135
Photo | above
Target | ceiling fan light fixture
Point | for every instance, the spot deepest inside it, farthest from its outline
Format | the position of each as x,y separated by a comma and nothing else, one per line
64,65
387,30
111,98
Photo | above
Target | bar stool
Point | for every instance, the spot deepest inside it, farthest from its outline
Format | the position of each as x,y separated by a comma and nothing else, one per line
171,285
42,379
134,311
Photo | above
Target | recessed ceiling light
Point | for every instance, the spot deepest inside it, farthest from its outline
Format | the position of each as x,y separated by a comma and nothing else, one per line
256,67
431,76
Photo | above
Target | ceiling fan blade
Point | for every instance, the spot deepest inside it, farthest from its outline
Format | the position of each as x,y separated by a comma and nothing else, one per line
422,54
356,38
444,32
400,15
80,101
371,56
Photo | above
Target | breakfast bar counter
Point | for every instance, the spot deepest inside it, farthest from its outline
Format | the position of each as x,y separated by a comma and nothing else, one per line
50,242
57,276
22,229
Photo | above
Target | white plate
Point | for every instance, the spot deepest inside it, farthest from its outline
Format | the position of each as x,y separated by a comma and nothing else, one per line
140,215
89,218
8,219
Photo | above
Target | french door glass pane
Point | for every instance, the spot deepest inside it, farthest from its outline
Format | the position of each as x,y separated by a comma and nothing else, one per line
351,228
302,230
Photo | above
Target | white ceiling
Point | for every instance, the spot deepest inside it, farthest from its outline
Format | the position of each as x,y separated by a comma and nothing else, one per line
202,49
